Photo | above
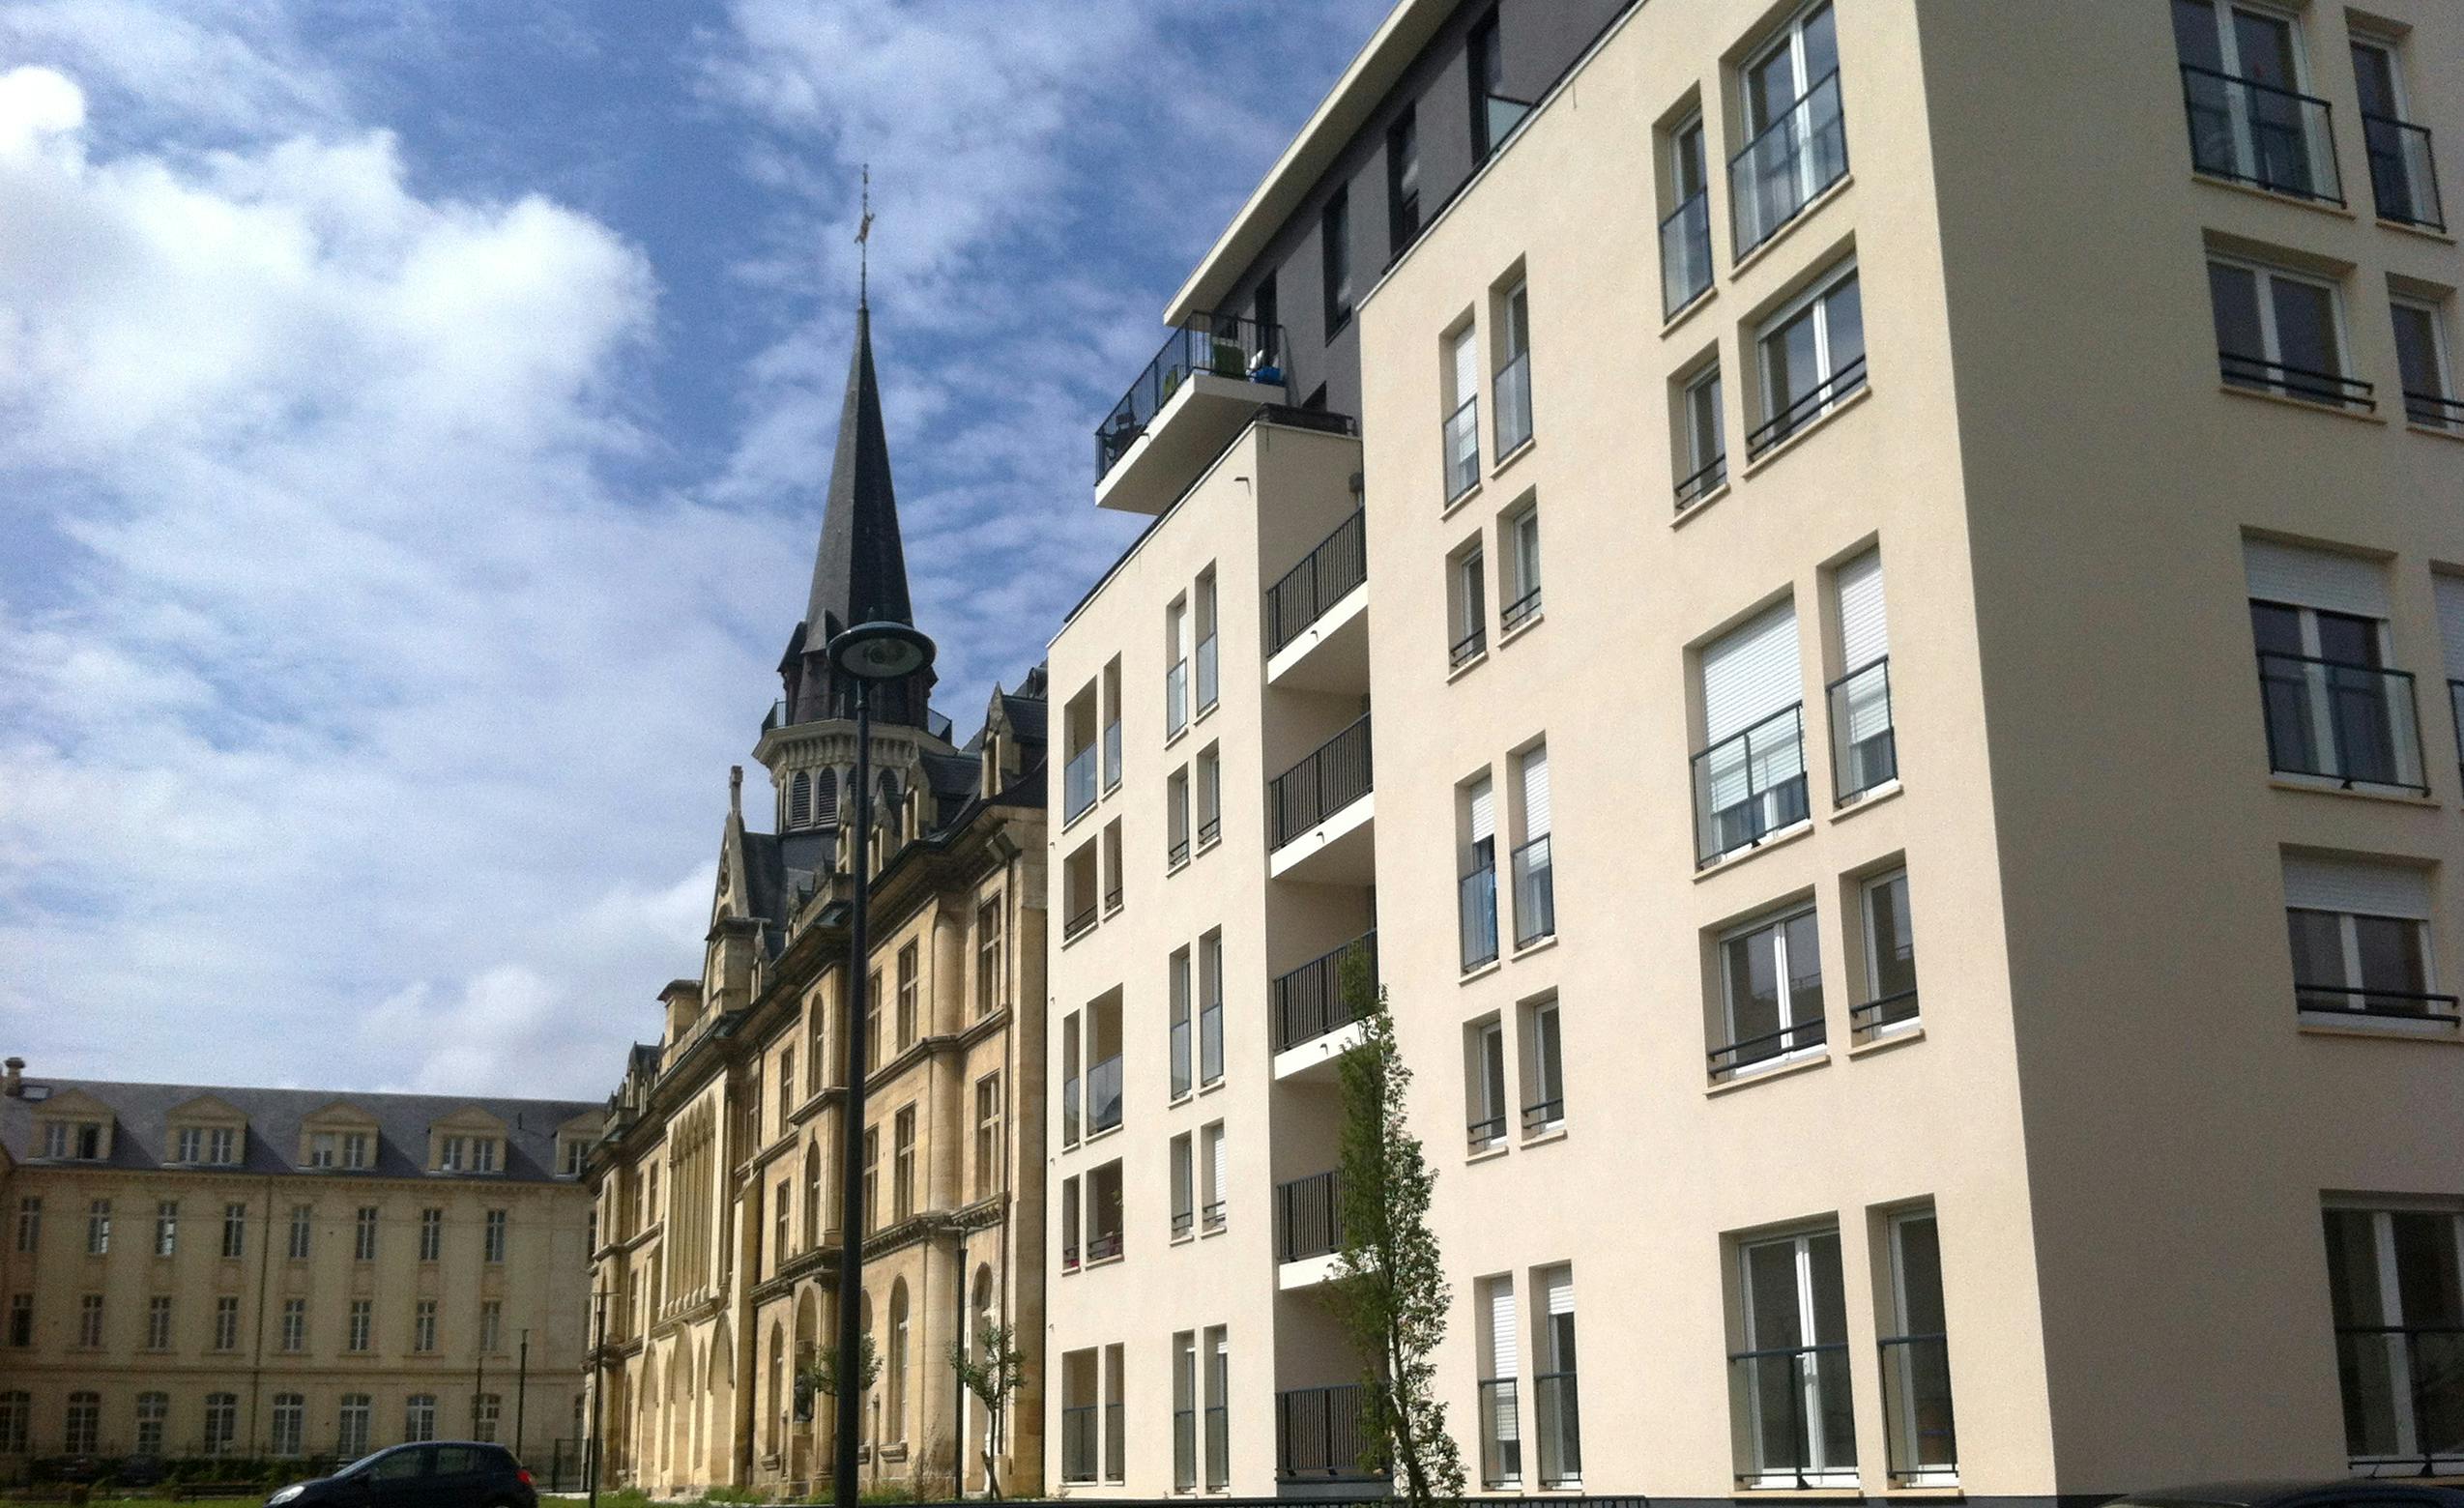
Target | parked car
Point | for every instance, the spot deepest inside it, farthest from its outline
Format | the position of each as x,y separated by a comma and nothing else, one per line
436,1474
2352,1492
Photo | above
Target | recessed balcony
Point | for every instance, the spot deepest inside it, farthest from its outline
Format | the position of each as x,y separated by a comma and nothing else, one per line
1309,1229
1313,1020
1204,384
1320,814
1316,616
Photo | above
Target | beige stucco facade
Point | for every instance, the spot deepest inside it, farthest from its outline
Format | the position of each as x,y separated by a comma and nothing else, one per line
2103,1109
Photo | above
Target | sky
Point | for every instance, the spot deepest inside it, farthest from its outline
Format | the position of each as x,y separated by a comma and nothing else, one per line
414,423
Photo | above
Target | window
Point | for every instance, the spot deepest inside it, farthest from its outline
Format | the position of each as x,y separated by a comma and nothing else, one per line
454,1154
223,1146
1770,994
1070,1251
303,1228
786,1087
83,1429
1179,1026
1265,312
1402,182
1185,1412
364,1235
2241,76
1685,232
2421,355
1534,868
1916,1357
1476,890
1484,1083
1334,254
29,1222
90,1321
1865,755
1521,535
1210,1008
907,988
1210,796
1500,1370
76,1141
419,1417
295,1325
2403,175
1890,956
990,1148
903,1163
1104,1212
1493,114
226,1324
873,1018
1214,1176
1812,356
351,1427
1069,1079
187,1145
1791,1378
21,1321
1111,707
1115,875
1104,1063
166,1228
235,1230
1079,1408
1702,451
1467,605
1115,1412
492,1236
99,1228
1797,142
431,1234
423,1325
2332,707
1177,819
1079,881
2397,1302
488,1412
323,1148
1513,372
158,1322
1184,1175
1544,1069
153,1411
221,1422
1750,779
1078,729
2361,943
2282,332
362,1319
872,1177
1209,684
1555,1408
356,1148
16,1408
1462,427
1177,648
992,990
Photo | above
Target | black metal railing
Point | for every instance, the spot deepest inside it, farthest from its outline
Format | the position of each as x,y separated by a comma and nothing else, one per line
2433,410
2428,1363
1727,1062
1806,406
1111,899
1865,750
1750,785
1486,1132
2256,133
1309,1000
1916,1398
1103,1245
1325,577
1806,1441
1461,440
2240,370
2354,724
1501,1434
1103,1095
1177,854
1185,1221
1788,165
1470,646
1309,1217
1317,1433
2341,1000
1336,774
1883,1011
1515,614
2403,172
1559,1422
1704,482
1212,1214
1079,921
1209,830
1078,784
1078,1442
1540,1116
1535,893
1476,905
1514,404
1213,345
1685,253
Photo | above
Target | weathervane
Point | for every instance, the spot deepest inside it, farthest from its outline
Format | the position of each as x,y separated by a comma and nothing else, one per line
864,240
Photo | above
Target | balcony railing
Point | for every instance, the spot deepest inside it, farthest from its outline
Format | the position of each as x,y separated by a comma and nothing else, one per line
1514,404
1112,900
1103,1095
1884,1010
1185,1221
1078,784
1501,1434
1211,829
1078,1442
1218,1443
1323,578
1796,1399
1206,672
2408,1375
2433,410
2338,1000
1807,407
1535,893
1330,779
1865,753
1103,1245
1177,854
1727,1062
1309,1217
1785,168
2256,133
1486,1132
2308,384
1685,254
1476,907
1915,1401
1218,346
1704,482
1461,440
1515,614
1750,785
2354,724
1309,1000
1542,1116
1504,113
1184,1447
1559,1422
1211,1041
2403,172
1175,698
1470,646
1079,920
1317,1433
1212,1215
1112,754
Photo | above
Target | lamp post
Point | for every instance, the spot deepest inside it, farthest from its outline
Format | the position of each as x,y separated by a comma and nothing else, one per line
865,653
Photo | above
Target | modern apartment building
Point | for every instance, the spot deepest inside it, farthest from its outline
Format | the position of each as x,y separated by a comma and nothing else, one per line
718,1186
1994,1028
208,1271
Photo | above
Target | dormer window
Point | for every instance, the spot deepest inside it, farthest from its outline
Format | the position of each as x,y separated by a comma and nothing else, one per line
206,1145
570,1155
79,1140
338,1150
467,1153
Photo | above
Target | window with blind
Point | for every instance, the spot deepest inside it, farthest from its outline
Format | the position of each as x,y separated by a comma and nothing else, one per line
1863,750
1484,1084
2360,943
2333,707
1476,888
1534,872
1556,1416
1214,1173
1750,779
1500,1409
1184,1187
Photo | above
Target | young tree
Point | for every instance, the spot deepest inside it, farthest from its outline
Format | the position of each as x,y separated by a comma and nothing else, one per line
996,1370
1390,1292
821,1374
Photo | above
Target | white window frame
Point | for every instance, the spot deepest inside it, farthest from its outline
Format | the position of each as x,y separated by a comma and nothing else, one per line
1518,532
1688,397
2441,360
1815,298
1866,890
1818,1472
1490,1092
2349,935
1673,144
1213,1210
2392,1315
1789,37
1903,1428
1184,1187
1210,798
1776,921
2271,346
1537,1068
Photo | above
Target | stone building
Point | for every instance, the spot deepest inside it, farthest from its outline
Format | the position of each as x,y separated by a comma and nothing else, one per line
718,1184
196,1271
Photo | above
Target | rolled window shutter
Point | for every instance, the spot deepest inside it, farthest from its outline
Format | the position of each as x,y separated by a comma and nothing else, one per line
1501,1330
1561,1291
1864,634
1535,793
2363,889
2450,622
1484,814
1466,366
1749,673
1220,1158
2315,578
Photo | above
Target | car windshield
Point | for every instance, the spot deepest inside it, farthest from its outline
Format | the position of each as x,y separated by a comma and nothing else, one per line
360,1465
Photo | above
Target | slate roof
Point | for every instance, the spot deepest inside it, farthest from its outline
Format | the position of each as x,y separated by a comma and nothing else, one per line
141,1112
860,573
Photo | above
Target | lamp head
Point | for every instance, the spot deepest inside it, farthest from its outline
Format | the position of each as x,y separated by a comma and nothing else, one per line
880,652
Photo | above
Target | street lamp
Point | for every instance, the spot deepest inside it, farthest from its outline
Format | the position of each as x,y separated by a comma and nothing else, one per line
866,654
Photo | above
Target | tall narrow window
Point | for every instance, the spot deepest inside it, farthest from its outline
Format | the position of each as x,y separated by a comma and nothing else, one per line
1750,779
1811,358
351,1426
2242,75
1865,754
1178,646
226,1324
1916,1358
1116,1412
1797,142
154,1412
1522,532
1218,1359
99,1228
1890,956
1556,1411
1771,995
1790,1380
303,1229
295,1325
364,1235
1485,72
1179,1025
1468,602
423,1325
1514,370
1265,310
1544,1075
1484,1083
1069,1079
1185,1412
362,1318
873,1016
1071,1252
1184,1175
1202,654
2282,332
894,1373
905,1165
2397,1300
158,1322
1685,231
1462,427
908,989
991,1149
991,984
1334,254
2421,355
872,1177
1476,890
492,1236
1403,184
1080,1407
431,1234
1210,1007
16,1408
1703,453
1500,1409
83,1429
29,1222
90,1321
2333,708
1214,1176
1104,1227
1177,819
1534,863
166,1228
2403,172
418,1418
1210,794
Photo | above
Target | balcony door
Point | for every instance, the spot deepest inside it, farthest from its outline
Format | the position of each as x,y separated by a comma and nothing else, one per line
1799,1426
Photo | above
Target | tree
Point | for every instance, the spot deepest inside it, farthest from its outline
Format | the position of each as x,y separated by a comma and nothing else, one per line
822,1373
1390,1292
994,1370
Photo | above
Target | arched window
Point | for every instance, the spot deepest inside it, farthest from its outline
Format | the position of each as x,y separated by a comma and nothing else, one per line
799,800
895,1371
826,797
779,1387
812,1198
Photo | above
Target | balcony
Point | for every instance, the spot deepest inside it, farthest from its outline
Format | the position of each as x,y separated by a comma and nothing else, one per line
1200,389
1807,407
1317,1434
1513,405
1916,1404
1685,254
1310,1009
1320,813
1865,753
2244,370
2351,724
1460,436
2248,133
1535,893
1308,1228
1749,786
1318,615
1788,165
2403,172
1476,909
1078,784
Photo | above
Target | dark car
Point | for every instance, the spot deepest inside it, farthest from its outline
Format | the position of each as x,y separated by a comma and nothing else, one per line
435,1474
2355,1492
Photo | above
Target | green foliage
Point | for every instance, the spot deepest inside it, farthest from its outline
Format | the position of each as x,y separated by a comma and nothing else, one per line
1390,1292
992,1374
735,1494
821,1375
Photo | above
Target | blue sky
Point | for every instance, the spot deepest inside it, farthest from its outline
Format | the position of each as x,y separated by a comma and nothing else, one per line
413,421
